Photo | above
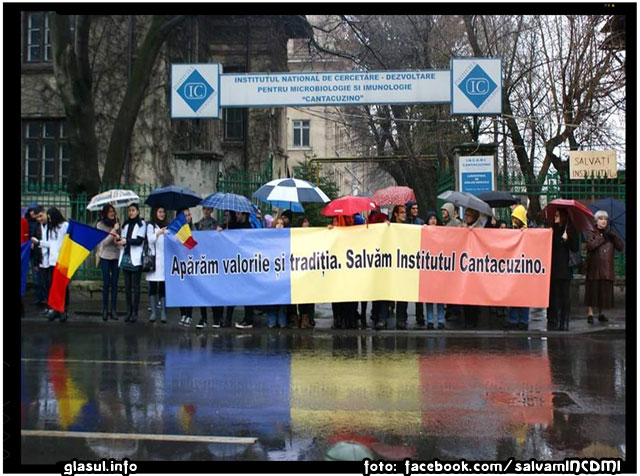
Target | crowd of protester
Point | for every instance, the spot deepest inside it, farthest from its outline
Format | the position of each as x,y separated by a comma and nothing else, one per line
122,251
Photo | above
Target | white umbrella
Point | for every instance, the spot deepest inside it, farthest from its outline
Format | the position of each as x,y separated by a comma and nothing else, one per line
117,198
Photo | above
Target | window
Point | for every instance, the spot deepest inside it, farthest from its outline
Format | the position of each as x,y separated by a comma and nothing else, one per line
233,121
38,38
301,133
46,152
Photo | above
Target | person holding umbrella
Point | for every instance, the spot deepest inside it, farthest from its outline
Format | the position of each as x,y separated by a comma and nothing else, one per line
109,253
564,241
601,243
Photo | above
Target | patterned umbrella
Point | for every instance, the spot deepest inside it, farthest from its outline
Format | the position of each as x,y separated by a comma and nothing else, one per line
228,201
286,192
348,205
393,195
118,198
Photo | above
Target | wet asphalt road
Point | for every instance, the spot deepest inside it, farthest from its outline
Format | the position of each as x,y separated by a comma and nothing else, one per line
296,394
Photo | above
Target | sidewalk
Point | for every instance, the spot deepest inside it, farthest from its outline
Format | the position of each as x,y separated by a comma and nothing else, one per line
86,309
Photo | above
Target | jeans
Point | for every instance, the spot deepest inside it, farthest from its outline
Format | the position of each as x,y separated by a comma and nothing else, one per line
277,316
110,273
45,279
132,283
518,314
440,308
38,283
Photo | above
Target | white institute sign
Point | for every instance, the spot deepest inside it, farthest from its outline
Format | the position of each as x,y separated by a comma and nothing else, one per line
334,88
195,91
476,86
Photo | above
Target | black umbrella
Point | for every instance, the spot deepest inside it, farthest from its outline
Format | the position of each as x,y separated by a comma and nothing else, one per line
173,198
497,198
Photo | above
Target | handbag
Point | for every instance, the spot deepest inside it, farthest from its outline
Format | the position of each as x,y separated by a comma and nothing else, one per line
148,258
127,264
575,260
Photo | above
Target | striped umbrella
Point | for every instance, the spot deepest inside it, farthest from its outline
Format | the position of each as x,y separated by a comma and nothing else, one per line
289,193
228,201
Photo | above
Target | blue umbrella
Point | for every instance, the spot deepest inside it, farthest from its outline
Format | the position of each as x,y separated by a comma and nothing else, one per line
617,212
173,198
228,201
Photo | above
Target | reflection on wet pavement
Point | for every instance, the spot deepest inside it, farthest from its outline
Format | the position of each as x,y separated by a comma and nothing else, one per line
401,396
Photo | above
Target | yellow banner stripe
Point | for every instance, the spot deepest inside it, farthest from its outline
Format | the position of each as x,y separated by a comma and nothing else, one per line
354,284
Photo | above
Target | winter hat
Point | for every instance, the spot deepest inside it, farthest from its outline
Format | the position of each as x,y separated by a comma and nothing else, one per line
267,220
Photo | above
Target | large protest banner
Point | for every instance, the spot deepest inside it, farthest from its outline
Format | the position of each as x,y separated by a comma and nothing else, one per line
361,263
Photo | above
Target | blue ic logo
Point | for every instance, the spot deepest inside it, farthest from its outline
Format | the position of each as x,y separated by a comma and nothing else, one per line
195,91
477,86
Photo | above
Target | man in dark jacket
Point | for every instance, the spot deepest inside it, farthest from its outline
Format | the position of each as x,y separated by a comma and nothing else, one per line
35,230
401,307
208,223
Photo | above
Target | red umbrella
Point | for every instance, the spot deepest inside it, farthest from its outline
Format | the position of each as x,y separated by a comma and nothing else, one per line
393,195
581,217
348,205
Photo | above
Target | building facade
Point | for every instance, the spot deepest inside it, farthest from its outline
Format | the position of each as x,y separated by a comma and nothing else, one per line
190,153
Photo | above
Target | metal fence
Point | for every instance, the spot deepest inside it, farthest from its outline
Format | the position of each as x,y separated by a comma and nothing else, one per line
76,208
244,183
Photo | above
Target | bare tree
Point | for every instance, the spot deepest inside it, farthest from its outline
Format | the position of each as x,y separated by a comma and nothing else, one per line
560,86
408,132
75,81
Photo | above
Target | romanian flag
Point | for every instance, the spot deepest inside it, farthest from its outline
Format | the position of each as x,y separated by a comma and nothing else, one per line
181,229
76,246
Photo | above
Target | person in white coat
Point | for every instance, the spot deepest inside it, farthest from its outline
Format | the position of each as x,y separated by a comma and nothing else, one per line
51,242
155,237
130,262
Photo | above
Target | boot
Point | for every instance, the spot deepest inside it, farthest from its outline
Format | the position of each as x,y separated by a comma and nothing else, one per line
304,322
105,315
154,306
129,311
163,311
134,317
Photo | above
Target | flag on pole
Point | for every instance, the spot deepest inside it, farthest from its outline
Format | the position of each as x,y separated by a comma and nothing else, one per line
25,254
181,229
76,246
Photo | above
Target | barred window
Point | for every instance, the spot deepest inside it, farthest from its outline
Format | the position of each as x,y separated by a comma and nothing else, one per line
46,152
38,38
233,120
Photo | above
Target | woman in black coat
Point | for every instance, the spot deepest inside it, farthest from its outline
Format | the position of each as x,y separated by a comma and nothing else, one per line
564,241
